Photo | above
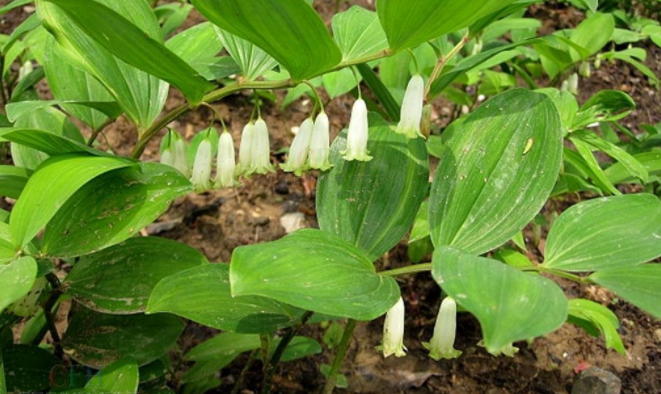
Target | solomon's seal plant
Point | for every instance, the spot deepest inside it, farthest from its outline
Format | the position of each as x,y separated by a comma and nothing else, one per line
469,199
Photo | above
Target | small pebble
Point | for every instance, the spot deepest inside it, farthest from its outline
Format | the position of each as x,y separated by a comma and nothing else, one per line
293,221
596,381
657,335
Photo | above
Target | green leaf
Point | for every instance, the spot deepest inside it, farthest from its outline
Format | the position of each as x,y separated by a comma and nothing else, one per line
511,305
408,26
358,33
496,172
13,5
634,167
639,285
605,106
141,96
613,232
118,377
198,46
113,208
97,340
43,141
592,166
316,271
353,196
16,280
68,83
566,104
421,225
28,368
618,173
128,42
380,91
252,60
56,180
339,82
120,279
592,34
27,83
202,294
599,318
13,180
22,108
290,31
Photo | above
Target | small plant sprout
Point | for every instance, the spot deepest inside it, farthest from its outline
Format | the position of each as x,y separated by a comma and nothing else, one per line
261,149
320,144
226,162
441,345
201,178
246,150
411,115
358,134
297,160
393,331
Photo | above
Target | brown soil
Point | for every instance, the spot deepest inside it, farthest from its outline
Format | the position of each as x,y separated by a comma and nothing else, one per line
217,222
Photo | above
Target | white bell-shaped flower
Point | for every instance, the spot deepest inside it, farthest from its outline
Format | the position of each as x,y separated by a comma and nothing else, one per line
245,150
261,149
226,162
393,331
297,160
201,177
167,156
358,134
442,342
411,115
174,152
320,144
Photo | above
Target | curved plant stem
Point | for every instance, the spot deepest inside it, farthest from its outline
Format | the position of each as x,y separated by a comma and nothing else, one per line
339,356
48,313
443,61
239,382
280,350
411,269
98,131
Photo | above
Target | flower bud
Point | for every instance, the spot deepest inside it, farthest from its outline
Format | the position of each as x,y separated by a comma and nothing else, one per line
226,162
411,115
584,70
297,160
393,331
442,342
320,144
572,83
358,134
201,177
174,152
245,150
261,149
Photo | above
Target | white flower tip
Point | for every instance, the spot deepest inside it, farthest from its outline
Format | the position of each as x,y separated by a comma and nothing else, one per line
393,331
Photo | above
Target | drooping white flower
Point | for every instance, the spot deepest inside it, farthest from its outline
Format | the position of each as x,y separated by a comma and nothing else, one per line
358,134
180,153
320,144
297,160
201,177
442,342
411,115
585,70
245,150
393,331
261,149
226,162
174,152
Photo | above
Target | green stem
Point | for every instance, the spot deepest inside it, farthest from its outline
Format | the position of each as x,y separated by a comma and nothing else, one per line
560,273
280,350
98,131
239,382
443,61
339,356
265,348
3,383
48,313
411,269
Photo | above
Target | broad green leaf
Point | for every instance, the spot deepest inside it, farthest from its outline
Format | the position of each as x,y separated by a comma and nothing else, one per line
118,377
313,270
618,173
592,34
501,27
639,285
29,24
358,33
198,46
252,60
339,82
176,19
353,197
594,170
48,119
26,85
634,167
511,305
381,92
140,95
408,26
120,279
68,83
202,294
605,106
113,208
290,31
56,180
23,108
566,104
7,250
28,369
128,42
613,232
97,340
16,280
299,347
43,141
497,170
13,180
596,317
421,225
